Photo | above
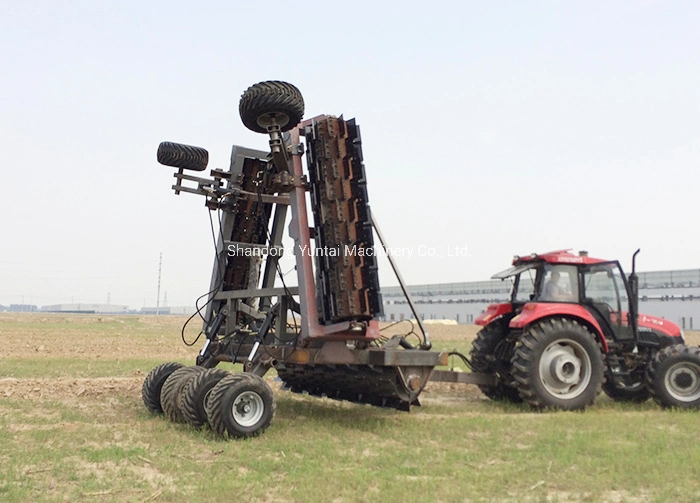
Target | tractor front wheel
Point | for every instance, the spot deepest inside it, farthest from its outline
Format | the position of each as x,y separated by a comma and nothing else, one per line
240,405
558,364
673,377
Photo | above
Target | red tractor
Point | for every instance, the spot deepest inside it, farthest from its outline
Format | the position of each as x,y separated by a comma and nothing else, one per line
572,327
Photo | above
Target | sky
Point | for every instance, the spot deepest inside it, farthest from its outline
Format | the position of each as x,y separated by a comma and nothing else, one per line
504,128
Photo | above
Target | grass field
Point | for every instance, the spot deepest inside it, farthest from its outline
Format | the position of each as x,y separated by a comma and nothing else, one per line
73,428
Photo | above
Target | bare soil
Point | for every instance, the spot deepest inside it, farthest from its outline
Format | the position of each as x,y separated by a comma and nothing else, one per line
122,337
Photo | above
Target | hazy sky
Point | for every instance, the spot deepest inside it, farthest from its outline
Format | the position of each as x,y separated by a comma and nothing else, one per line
506,127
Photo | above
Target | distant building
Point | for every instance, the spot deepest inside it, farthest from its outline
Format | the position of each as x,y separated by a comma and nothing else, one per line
674,295
86,308
176,310
22,308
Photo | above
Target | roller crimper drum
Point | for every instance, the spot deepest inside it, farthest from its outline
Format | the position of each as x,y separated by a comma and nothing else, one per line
348,287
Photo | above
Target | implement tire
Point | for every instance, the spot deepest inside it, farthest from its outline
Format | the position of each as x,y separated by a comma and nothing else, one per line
182,156
240,405
152,385
558,364
171,393
271,102
195,395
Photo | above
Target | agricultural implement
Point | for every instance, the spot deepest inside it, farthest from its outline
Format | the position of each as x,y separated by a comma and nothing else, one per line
549,353
328,343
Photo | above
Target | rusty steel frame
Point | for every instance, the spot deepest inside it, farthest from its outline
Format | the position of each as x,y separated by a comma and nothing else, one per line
315,345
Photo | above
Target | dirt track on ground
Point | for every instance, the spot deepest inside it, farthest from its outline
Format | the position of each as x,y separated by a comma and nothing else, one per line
94,337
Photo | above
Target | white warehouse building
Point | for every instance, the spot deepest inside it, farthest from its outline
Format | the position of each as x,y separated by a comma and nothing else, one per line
674,295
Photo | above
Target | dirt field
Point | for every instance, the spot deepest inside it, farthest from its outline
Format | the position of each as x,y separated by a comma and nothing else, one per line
73,428
100,337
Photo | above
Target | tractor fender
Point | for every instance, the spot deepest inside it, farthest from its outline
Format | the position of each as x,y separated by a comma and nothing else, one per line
493,312
536,311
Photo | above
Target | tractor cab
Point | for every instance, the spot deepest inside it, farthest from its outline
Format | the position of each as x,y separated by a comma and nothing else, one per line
593,288
593,291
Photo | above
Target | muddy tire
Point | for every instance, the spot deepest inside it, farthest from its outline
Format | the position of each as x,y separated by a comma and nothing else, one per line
491,354
673,377
240,405
171,394
271,102
152,385
558,364
195,394
182,156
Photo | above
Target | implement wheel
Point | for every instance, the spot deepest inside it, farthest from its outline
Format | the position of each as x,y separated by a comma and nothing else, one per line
196,393
272,102
152,385
673,377
491,354
182,156
240,405
171,394
558,364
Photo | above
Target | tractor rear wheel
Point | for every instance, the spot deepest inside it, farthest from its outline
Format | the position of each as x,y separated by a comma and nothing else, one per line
558,364
240,405
152,385
195,395
171,394
491,354
272,102
673,377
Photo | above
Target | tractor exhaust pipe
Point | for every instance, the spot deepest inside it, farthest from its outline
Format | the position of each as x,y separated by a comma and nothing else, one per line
634,298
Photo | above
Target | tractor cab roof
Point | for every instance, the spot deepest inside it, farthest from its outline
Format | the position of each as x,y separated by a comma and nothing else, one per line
534,260
557,257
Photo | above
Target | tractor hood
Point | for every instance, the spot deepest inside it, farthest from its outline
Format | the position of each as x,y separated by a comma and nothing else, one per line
648,323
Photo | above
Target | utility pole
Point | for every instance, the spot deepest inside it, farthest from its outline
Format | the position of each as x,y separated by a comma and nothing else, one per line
160,264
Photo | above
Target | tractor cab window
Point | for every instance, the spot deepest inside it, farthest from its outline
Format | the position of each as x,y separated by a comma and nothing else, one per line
559,284
525,286
606,293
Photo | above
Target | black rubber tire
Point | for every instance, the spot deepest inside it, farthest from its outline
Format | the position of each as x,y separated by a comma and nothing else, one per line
639,393
182,156
171,393
195,394
223,396
558,334
152,385
264,102
675,366
484,359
